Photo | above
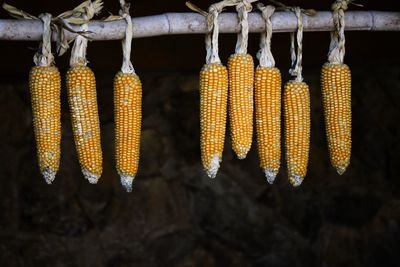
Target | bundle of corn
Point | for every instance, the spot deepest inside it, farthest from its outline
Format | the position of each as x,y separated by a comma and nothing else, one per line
82,98
336,94
213,93
296,107
241,78
127,110
268,102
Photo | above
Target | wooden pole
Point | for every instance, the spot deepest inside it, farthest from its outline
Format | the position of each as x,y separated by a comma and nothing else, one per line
193,23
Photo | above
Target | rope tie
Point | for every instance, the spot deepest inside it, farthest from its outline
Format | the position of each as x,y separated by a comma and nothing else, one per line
44,57
243,8
297,59
264,55
78,52
74,17
211,40
127,66
337,45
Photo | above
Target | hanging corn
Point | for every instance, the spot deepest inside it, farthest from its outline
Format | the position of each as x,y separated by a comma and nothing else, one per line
82,98
241,78
267,91
296,108
336,94
127,110
45,88
213,93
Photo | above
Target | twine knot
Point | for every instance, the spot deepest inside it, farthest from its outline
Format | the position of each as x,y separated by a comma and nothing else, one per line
90,11
266,11
297,58
264,54
212,27
337,49
84,13
340,4
124,11
44,57
127,66
244,5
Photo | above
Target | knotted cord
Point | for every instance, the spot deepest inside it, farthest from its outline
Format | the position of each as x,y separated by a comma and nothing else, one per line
212,27
297,58
337,45
243,8
127,66
44,57
82,14
264,54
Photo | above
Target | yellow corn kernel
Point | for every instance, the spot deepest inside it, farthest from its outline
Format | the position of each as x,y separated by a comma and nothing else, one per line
336,97
82,98
296,108
241,77
267,91
213,105
45,88
128,117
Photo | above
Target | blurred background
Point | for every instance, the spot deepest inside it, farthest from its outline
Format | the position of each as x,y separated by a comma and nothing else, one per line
176,215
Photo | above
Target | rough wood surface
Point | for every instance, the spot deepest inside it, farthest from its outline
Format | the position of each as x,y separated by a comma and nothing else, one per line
192,23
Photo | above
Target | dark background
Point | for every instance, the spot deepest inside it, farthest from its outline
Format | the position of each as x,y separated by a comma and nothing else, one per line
176,216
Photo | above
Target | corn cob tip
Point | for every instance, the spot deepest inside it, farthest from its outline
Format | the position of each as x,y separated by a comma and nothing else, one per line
91,177
49,175
341,170
296,180
270,174
214,166
126,182
242,156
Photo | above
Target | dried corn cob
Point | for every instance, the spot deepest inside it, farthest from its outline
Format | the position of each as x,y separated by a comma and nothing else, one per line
45,88
336,97
128,115
268,119
241,78
127,109
82,98
213,102
296,109
267,85
336,93
213,93
296,106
